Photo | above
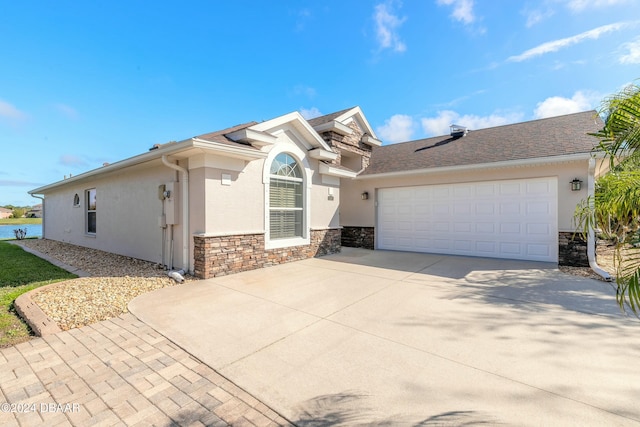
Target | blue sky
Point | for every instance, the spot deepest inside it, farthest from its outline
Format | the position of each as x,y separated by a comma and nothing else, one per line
82,83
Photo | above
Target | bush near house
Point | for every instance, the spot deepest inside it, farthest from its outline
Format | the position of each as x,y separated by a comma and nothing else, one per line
615,207
21,272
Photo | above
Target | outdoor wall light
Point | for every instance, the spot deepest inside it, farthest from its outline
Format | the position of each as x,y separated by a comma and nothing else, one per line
576,184
365,195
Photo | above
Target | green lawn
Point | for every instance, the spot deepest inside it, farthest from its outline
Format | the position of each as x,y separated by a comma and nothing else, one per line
20,221
20,272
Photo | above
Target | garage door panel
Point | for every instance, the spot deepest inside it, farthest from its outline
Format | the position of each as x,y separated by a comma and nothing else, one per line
441,227
538,187
510,248
504,219
541,207
510,228
485,227
485,208
509,189
510,208
537,250
441,209
462,227
486,248
539,229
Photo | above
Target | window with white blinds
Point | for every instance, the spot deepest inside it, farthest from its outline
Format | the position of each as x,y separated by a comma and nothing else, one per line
286,205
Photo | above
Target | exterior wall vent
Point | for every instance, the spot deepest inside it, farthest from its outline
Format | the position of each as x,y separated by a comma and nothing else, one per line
458,131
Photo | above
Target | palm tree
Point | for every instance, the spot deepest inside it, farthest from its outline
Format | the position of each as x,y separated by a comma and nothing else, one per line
615,207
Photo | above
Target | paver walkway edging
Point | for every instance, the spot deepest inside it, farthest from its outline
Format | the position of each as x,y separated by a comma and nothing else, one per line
29,311
38,321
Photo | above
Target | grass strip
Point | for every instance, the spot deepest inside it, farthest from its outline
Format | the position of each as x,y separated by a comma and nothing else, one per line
21,272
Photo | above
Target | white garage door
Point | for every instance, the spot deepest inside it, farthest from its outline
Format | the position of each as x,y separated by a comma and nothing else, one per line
514,219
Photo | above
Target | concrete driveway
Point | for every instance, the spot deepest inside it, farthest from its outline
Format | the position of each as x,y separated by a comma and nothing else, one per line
392,338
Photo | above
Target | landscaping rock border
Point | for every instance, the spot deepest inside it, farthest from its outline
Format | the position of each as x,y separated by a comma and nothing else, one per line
38,321
106,284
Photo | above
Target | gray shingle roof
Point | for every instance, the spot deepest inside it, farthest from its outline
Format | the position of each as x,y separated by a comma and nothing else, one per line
219,135
327,117
555,136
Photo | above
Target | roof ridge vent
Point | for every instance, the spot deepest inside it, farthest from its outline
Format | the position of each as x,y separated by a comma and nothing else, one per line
458,131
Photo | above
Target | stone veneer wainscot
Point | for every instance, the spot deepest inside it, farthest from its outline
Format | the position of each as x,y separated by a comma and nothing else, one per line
221,255
572,250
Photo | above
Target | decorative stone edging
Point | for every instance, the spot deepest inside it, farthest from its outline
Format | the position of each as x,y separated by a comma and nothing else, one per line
40,323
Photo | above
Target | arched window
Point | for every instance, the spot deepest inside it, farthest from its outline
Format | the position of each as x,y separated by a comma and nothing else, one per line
286,200
76,200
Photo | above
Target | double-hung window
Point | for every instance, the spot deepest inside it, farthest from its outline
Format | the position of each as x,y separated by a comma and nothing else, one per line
286,211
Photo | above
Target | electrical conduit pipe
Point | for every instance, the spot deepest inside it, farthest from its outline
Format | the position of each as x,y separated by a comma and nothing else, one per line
185,211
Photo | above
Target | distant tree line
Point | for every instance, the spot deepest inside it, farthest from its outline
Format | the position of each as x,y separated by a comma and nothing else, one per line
17,211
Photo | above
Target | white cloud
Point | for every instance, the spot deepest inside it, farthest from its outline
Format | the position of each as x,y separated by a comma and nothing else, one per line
67,111
554,46
302,17
310,113
399,128
462,10
558,106
580,5
387,26
536,16
633,56
439,125
10,114
13,183
304,90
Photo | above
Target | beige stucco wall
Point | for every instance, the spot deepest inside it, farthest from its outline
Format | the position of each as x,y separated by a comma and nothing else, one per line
127,213
238,206
357,212
226,197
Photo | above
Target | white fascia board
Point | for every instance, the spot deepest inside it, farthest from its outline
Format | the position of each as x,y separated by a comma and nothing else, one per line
320,154
253,137
539,161
367,139
334,126
299,123
326,169
228,151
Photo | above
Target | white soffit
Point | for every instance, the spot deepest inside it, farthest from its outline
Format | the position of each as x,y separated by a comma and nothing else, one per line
334,126
253,137
320,154
331,170
367,139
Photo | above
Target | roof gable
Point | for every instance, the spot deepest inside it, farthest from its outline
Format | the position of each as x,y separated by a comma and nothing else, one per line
555,136
297,128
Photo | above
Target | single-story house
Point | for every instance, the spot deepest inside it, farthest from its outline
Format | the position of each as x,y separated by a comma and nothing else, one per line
5,213
259,194
34,212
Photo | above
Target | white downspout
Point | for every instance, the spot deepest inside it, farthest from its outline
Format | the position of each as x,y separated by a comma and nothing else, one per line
185,212
41,198
591,237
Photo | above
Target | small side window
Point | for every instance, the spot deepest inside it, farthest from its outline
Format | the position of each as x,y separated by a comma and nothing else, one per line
91,211
76,200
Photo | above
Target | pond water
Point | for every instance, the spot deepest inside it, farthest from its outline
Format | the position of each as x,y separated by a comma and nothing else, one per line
33,230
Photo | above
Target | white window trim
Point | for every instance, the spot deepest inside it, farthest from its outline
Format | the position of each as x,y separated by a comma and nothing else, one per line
301,158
